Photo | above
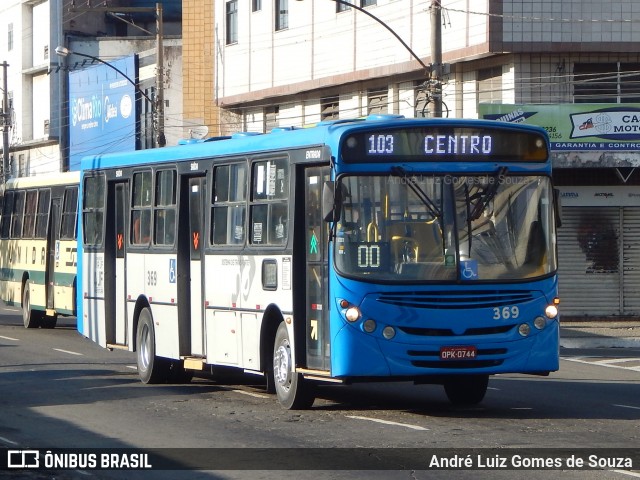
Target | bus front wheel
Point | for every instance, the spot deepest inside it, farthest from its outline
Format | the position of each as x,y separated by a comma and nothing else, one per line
31,318
293,391
466,389
151,368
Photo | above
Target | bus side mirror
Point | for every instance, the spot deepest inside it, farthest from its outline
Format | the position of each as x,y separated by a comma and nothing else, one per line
558,206
330,203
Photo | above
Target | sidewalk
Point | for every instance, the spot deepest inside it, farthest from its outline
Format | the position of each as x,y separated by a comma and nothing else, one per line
600,334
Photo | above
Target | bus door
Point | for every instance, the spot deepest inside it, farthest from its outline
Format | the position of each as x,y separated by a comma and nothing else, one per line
191,238
53,252
317,308
115,264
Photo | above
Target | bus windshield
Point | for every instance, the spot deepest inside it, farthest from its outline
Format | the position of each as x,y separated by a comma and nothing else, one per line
422,228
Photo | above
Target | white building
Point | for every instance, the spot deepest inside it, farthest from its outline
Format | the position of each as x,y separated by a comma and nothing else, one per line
27,30
288,62
30,31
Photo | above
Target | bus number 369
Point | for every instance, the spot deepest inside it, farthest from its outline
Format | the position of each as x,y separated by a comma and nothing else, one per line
506,313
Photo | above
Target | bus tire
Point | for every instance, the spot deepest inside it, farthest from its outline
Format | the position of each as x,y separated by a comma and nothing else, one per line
293,391
466,389
179,374
49,321
30,318
151,368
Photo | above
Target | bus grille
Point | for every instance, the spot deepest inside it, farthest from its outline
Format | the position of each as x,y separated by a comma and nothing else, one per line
456,364
445,332
455,300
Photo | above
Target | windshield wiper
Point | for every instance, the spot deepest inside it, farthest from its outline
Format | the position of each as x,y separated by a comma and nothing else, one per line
421,194
486,195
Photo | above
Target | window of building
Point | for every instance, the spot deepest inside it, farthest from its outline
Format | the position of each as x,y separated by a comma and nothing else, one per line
256,5
270,202
606,83
282,14
343,7
141,209
377,101
42,217
367,3
232,21
69,214
164,215
271,117
228,211
490,85
93,210
10,37
330,108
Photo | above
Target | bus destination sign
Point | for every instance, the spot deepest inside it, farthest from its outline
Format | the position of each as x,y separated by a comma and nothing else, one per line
445,144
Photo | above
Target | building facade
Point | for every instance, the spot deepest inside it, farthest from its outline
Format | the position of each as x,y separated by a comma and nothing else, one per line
285,62
37,88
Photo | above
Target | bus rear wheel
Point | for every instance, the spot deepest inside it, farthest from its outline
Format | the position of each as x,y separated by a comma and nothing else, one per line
466,389
151,368
293,391
30,318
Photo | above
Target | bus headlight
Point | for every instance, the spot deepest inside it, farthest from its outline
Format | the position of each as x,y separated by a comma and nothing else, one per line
551,311
539,323
352,314
369,325
389,333
524,329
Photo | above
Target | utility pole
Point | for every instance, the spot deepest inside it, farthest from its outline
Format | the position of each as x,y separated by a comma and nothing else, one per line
159,110
6,121
436,57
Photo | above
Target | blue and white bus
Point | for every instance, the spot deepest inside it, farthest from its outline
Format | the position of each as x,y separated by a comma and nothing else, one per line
378,249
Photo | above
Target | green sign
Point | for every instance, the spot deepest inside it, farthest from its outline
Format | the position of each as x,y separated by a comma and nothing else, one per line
576,126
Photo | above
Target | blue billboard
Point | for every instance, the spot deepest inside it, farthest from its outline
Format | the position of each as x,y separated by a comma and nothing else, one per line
102,110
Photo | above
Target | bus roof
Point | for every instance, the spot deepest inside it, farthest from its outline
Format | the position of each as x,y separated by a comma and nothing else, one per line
50,179
249,143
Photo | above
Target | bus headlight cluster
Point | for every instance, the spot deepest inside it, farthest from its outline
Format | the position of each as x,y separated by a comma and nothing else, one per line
539,323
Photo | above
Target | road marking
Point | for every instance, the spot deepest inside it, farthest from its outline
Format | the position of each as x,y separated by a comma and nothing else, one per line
68,351
10,338
6,440
626,406
606,362
250,394
387,422
627,472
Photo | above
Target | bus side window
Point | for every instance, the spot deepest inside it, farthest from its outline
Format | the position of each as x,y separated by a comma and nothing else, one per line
270,206
141,208
6,214
229,204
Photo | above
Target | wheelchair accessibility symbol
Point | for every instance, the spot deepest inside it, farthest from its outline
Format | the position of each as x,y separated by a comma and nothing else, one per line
172,270
469,269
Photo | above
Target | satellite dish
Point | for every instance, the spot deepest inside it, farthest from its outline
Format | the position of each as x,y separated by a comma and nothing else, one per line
198,132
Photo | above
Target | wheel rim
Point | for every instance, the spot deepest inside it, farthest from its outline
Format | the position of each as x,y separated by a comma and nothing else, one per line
281,366
145,347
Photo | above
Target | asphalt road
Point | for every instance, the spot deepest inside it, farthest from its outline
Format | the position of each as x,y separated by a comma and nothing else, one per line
59,390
